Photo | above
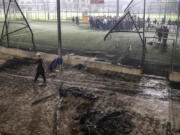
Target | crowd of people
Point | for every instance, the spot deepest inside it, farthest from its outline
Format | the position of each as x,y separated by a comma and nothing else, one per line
106,23
162,34
162,27
75,20
102,23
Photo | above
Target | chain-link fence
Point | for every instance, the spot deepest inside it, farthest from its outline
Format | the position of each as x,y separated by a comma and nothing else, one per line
45,10
124,44
156,24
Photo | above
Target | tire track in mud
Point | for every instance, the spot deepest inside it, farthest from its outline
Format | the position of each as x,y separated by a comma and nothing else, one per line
108,83
122,87
126,88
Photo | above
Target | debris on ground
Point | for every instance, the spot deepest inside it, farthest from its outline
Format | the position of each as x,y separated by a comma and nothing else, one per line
43,99
98,123
77,92
80,67
27,109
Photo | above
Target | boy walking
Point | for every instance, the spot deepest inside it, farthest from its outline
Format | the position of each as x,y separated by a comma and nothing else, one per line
40,68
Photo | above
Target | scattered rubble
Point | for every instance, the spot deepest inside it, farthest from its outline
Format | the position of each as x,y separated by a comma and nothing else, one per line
80,67
97,123
80,112
44,99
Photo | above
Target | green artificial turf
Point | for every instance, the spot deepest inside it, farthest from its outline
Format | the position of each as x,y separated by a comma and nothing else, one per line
83,40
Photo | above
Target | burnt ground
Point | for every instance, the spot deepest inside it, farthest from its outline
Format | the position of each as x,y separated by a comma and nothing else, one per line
144,102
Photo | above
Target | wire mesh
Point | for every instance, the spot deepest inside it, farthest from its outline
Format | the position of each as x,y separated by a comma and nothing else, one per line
127,45
160,19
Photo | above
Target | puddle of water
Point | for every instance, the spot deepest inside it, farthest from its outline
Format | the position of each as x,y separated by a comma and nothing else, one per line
159,90
152,82
155,93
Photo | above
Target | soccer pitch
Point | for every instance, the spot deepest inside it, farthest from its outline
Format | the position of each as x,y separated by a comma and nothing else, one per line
82,40
76,38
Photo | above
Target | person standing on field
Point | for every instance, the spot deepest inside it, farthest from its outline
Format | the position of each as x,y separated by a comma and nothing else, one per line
40,69
73,20
77,20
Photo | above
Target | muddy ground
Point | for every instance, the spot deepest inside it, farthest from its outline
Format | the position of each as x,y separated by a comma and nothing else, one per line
145,101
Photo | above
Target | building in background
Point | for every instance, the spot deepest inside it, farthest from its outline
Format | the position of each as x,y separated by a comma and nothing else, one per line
74,5
46,9
34,5
95,6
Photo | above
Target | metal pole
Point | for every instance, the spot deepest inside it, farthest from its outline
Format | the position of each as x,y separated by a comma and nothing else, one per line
48,10
177,32
35,18
136,28
77,8
117,12
172,57
165,8
59,30
91,9
108,11
60,56
5,22
120,20
32,34
175,44
144,41
7,29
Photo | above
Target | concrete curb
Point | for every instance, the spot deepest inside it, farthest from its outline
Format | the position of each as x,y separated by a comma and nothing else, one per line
74,60
174,77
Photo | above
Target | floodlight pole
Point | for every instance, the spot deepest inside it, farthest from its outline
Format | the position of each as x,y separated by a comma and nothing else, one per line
178,25
165,12
59,31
